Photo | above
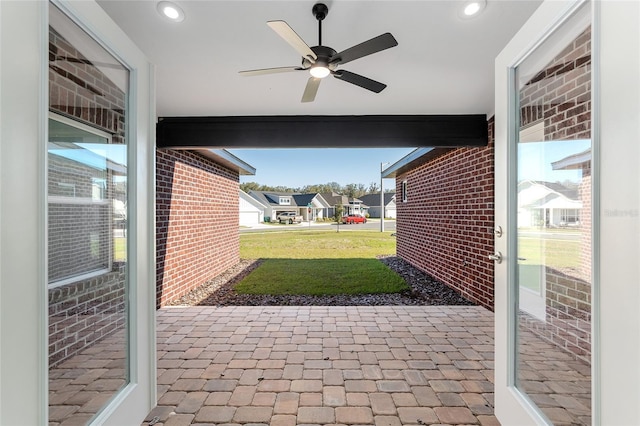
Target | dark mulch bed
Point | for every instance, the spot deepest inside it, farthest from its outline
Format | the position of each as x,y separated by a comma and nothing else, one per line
424,290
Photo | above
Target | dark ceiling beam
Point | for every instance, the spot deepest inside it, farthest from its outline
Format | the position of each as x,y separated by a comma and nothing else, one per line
326,131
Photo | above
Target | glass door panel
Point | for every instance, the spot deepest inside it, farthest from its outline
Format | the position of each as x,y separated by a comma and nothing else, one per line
87,224
554,193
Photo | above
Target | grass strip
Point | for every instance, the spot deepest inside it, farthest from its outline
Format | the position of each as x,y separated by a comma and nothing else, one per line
317,277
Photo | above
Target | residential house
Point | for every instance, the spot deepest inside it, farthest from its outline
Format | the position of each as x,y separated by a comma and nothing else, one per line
309,206
547,205
350,205
373,202
251,210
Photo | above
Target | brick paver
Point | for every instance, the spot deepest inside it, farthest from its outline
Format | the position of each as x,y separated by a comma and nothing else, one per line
354,415
334,396
287,366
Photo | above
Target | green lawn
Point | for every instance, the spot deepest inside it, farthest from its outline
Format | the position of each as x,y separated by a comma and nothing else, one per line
316,244
319,263
555,253
119,249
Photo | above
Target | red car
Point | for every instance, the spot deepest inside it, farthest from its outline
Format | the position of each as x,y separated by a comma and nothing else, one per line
354,218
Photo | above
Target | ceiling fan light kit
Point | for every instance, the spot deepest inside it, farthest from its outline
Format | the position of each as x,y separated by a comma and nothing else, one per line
319,71
321,60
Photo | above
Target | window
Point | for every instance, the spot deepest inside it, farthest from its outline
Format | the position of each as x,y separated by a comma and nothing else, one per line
285,201
85,170
404,191
569,217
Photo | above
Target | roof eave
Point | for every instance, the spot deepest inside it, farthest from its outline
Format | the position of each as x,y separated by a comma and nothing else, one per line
573,162
415,158
252,200
228,160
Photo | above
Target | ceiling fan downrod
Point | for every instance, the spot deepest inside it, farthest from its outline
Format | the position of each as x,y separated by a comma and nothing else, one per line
320,11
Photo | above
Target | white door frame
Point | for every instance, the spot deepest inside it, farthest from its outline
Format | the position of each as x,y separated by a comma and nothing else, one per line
23,256
616,212
617,108
23,302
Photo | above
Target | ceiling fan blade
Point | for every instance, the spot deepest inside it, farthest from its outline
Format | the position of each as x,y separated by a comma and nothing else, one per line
376,44
359,80
286,32
263,71
312,88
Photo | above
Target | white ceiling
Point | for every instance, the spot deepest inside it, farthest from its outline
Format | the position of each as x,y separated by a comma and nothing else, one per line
443,64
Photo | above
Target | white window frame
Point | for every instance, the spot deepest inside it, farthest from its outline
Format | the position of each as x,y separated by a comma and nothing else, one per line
404,191
59,199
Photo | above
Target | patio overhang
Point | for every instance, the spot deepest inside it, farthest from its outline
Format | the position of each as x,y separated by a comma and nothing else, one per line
313,131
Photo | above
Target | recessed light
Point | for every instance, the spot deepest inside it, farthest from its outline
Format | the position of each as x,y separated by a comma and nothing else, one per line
474,7
170,11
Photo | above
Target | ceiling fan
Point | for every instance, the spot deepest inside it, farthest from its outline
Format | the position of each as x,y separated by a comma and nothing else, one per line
321,60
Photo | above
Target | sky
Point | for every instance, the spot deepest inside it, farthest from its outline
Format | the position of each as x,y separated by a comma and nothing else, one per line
536,158
300,167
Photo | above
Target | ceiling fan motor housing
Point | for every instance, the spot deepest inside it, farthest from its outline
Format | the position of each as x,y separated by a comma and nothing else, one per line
320,11
324,54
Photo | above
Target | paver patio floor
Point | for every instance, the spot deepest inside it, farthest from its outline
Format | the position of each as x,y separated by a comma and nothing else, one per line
355,365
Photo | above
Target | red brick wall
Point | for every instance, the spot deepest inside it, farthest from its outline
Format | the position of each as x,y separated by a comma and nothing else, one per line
197,237
569,313
561,93
445,226
79,89
567,321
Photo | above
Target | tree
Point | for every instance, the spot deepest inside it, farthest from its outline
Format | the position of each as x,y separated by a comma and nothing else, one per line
337,212
280,189
250,186
334,187
350,190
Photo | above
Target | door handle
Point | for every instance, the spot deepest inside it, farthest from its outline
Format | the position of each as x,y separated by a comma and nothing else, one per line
496,257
